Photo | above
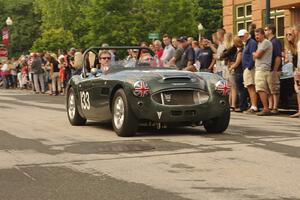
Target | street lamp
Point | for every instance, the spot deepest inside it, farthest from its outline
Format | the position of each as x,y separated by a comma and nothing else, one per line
9,22
200,29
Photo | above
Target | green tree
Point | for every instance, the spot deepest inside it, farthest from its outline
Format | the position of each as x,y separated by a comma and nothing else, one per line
209,13
125,23
61,14
54,39
26,23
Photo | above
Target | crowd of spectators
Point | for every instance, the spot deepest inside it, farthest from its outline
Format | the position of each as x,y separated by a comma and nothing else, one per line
254,62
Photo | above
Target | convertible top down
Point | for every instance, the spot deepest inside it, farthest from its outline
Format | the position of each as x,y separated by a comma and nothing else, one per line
138,90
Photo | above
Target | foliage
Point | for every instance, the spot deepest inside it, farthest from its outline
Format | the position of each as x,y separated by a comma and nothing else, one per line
54,39
116,22
26,23
93,22
210,15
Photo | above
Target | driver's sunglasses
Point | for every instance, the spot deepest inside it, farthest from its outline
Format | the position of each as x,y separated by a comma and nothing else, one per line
105,58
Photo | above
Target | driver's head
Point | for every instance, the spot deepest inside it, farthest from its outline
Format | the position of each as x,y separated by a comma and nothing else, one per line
105,58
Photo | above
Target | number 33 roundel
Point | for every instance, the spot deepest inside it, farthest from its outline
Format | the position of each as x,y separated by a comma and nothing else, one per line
85,100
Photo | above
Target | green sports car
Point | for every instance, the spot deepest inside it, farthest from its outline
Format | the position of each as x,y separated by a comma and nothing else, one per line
135,89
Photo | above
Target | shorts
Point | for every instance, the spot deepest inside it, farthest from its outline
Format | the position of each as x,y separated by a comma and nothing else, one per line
261,81
274,82
249,77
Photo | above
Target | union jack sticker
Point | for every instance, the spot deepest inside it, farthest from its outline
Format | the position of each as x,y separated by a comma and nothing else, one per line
141,89
223,87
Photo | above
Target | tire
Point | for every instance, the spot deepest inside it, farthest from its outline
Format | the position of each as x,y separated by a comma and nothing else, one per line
124,122
218,124
73,115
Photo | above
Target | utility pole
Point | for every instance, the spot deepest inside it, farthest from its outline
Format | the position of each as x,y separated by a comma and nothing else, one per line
267,14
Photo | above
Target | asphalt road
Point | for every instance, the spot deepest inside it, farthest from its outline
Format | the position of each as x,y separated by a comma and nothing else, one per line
43,157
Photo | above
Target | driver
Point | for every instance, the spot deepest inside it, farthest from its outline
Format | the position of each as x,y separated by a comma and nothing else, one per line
104,63
105,60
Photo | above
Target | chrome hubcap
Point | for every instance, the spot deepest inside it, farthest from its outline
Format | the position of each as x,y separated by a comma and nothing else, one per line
71,109
119,112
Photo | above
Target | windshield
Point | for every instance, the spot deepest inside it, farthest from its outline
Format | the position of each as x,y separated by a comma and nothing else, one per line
104,59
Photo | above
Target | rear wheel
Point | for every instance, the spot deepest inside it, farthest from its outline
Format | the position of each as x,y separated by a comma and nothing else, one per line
124,122
73,115
218,124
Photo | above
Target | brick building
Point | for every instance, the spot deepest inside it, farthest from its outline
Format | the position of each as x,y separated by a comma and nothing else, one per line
239,14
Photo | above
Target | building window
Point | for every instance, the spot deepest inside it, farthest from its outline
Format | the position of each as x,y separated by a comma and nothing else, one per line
277,19
243,15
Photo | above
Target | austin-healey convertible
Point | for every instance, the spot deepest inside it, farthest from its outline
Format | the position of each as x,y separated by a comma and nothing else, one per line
136,89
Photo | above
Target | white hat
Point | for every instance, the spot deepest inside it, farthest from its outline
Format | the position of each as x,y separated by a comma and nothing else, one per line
242,32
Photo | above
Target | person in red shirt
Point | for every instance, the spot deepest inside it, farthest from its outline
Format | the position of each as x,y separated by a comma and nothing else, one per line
158,48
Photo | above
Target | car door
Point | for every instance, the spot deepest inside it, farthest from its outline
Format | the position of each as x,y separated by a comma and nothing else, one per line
85,94
100,98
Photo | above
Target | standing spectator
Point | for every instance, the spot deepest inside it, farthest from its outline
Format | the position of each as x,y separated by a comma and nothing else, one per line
263,61
290,47
168,51
214,43
30,73
62,66
175,60
297,71
14,72
158,48
78,62
24,72
290,63
38,74
251,30
112,54
228,54
5,74
205,57
48,75
196,46
175,42
190,40
249,69
54,72
229,57
220,50
238,70
276,65
187,58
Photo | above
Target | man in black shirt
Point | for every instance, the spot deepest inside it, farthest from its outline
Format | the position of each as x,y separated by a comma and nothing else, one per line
187,58
205,57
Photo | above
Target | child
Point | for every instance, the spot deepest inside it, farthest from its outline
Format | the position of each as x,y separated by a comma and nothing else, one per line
62,74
